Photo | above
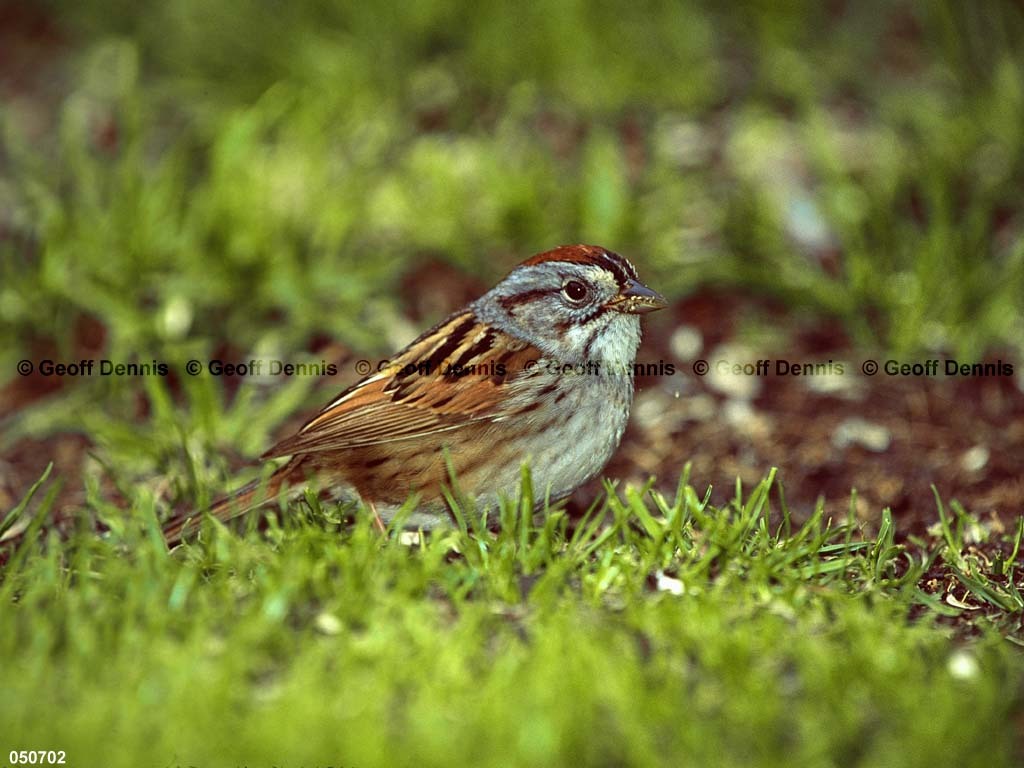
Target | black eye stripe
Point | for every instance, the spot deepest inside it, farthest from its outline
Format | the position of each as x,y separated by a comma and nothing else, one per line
510,302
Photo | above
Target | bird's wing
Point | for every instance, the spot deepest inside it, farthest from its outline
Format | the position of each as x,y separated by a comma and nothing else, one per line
460,372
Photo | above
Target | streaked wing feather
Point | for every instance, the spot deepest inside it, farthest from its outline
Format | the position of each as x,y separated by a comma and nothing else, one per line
402,404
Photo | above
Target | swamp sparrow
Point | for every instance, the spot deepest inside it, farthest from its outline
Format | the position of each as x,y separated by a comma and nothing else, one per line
538,370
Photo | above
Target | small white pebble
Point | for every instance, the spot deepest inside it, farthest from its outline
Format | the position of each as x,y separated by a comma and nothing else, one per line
740,414
834,383
686,342
649,408
665,583
328,623
962,665
874,437
737,412
975,459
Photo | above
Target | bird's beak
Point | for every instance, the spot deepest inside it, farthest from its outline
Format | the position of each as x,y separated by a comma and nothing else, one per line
637,299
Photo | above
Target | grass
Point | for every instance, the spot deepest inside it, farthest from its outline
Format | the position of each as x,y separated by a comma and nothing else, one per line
672,633
198,181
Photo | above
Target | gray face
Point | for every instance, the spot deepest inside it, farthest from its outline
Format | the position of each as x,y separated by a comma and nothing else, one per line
565,309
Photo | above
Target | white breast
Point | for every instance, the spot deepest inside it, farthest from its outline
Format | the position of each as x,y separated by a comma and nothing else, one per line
568,443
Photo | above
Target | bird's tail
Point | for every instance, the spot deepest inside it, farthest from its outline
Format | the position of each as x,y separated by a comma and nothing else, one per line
245,499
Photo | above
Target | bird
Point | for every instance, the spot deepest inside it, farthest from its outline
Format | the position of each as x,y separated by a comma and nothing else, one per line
536,371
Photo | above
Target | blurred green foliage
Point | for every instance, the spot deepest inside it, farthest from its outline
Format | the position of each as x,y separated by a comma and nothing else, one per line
261,172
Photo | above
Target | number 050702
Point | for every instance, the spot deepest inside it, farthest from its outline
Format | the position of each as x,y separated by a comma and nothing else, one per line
37,757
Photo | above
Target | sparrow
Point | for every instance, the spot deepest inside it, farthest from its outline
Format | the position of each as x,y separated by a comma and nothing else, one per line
537,371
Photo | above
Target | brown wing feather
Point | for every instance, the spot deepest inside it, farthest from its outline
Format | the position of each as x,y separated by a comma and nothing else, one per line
403,402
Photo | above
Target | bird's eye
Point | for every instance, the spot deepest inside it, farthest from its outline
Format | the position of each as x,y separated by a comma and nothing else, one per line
574,291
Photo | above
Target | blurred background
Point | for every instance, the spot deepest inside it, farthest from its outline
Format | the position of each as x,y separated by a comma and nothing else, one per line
320,180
